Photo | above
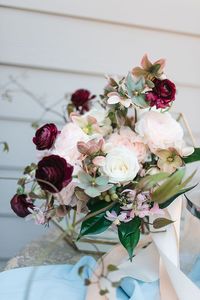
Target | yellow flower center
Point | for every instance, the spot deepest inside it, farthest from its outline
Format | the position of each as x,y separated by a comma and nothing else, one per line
170,159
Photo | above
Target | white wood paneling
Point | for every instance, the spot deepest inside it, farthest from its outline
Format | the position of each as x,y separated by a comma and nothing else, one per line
68,44
7,190
48,86
15,233
173,15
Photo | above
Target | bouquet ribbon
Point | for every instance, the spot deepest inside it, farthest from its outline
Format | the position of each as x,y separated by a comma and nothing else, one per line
159,260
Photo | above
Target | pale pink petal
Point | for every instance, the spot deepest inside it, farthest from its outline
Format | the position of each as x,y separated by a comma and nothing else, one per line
156,210
99,161
161,62
113,100
125,102
145,62
91,120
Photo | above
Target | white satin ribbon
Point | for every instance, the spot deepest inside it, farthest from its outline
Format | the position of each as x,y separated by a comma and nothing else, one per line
160,260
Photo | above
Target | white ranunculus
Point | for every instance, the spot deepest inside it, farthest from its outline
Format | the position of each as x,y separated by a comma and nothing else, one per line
121,165
160,131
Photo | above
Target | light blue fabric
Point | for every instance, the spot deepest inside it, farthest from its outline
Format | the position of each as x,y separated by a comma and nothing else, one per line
62,282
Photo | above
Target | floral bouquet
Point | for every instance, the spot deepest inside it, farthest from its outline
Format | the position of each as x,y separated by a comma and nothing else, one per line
118,161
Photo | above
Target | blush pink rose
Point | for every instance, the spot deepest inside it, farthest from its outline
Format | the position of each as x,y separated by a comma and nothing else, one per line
66,144
128,138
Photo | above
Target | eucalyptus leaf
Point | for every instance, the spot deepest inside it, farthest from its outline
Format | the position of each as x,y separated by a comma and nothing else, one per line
161,222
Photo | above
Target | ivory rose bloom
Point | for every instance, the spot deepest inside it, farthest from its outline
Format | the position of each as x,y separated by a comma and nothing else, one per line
128,138
160,131
121,165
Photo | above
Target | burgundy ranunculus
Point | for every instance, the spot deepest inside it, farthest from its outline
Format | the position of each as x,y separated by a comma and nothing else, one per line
162,94
53,173
20,205
81,98
45,136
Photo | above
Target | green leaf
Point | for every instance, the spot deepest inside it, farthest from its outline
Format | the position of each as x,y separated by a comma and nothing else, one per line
80,270
21,181
97,224
94,225
150,83
87,281
20,190
35,125
155,68
5,147
150,181
195,156
30,168
166,190
103,292
116,284
170,200
112,268
129,234
161,222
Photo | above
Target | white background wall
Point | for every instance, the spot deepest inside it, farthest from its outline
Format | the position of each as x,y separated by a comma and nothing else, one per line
54,47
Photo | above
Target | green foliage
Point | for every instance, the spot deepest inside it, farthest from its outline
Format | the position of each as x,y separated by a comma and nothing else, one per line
30,168
80,270
154,69
195,156
5,147
87,281
112,268
169,188
129,234
98,223
150,181
170,200
103,292
161,222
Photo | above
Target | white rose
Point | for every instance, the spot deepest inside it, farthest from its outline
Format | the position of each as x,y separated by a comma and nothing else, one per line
160,131
121,165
